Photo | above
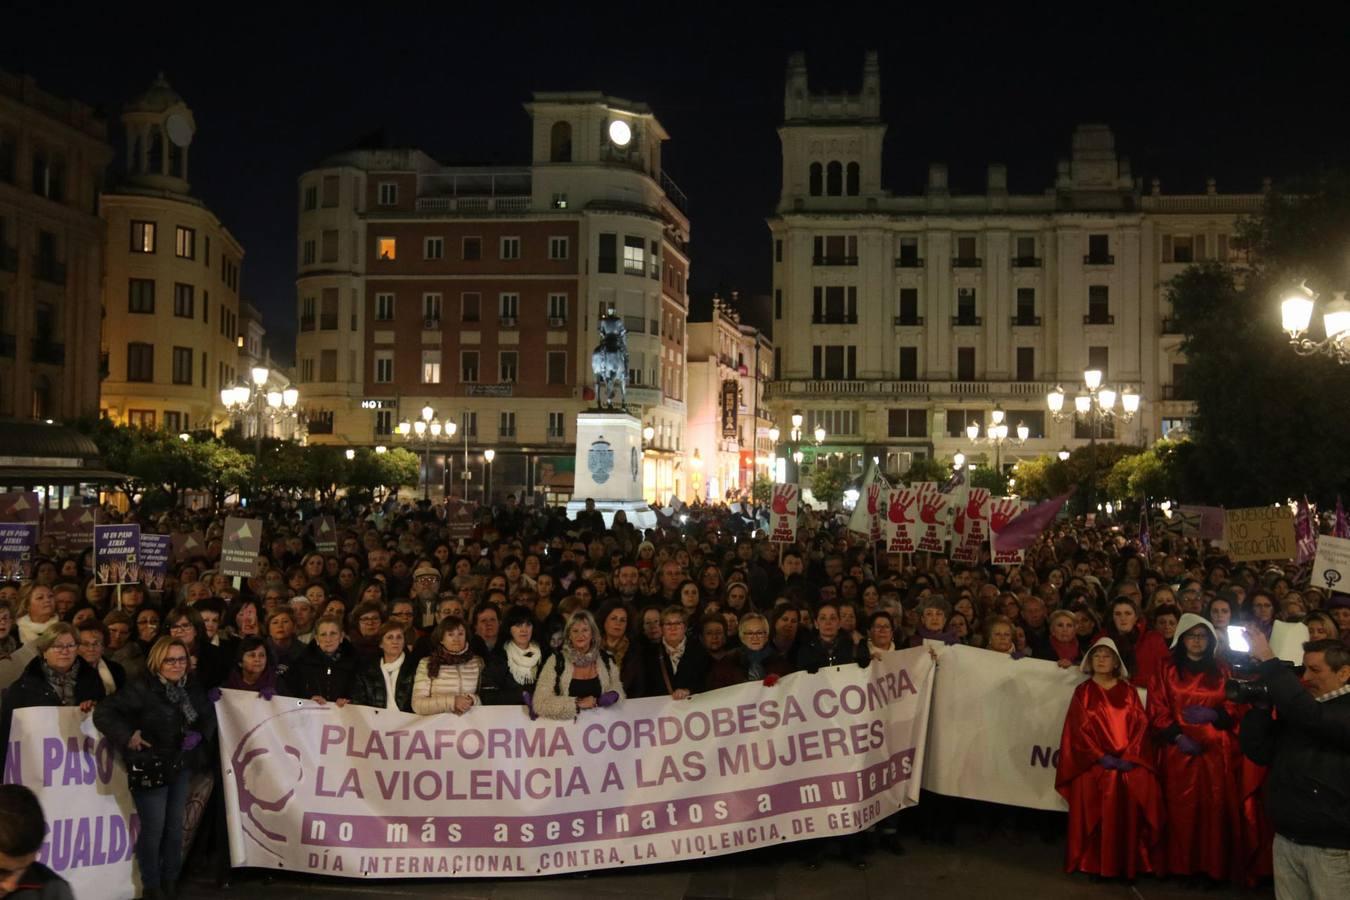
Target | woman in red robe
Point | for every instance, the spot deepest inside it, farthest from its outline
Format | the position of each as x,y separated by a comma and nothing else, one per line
1142,650
1199,760
1106,774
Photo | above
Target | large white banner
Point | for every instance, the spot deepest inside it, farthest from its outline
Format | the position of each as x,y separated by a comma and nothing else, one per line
361,792
996,727
80,782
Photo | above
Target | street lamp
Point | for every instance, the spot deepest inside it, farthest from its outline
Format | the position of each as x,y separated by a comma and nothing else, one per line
351,454
1296,315
488,455
277,406
381,449
425,430
795,439
958,461
1063,454
997,435
1096,406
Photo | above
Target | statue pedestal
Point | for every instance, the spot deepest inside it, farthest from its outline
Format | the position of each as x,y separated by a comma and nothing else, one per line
609,468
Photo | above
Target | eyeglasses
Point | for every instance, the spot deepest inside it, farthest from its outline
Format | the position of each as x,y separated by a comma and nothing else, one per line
63,648
754,633
181,626
91,645
369,618
175,660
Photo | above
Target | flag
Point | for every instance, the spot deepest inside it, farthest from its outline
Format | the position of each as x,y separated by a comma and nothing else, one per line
1305,533
1342,527
1145,539
864,517
1021,532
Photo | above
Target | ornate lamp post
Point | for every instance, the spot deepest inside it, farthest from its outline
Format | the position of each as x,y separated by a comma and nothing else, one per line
1296,315
488,455
425,430
997,435
1095,406
276,406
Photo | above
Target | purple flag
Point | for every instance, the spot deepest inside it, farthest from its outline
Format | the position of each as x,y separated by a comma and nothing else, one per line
1022,531
1342,527
1305,533
1145,539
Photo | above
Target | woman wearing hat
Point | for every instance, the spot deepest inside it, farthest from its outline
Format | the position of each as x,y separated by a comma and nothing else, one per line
1106,773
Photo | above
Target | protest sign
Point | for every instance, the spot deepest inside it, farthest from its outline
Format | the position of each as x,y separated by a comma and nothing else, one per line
360,792
239,550
155,550
117,551
188,545
1332,564
901,519
970,525
54,528
80,522
1287,640
1259,532
17,540
783,514
932,526
1002,511
1197,521
20,506
325,534
92,823
459,520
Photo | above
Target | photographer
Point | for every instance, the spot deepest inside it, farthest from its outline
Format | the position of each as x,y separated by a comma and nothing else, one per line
1306,744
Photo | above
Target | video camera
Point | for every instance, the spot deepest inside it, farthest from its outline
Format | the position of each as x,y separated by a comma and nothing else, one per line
1246,685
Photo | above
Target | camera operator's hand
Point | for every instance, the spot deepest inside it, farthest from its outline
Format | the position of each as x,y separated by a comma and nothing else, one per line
1260,647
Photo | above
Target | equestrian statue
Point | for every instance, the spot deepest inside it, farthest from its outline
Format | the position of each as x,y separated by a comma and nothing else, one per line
609,363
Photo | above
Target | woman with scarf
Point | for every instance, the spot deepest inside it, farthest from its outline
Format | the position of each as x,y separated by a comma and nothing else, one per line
57,676
387,682
1062,647
253,669
363,630
933,615
514,667
754,660
785,631
161,723
618,641
1106,772
581,675
326,670
447,679
1199,761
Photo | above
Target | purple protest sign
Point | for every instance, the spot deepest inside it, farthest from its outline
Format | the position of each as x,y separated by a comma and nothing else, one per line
155,550
239,550
324,529
17,540
117,550
20,506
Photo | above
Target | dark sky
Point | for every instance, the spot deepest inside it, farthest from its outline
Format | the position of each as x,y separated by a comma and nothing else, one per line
1191,90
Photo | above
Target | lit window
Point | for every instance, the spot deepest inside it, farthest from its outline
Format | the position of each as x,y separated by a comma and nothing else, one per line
431,367
142,237
386,248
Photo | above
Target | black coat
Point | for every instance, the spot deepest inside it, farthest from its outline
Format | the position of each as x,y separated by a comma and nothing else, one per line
314,675
144,706
816,654
213,665
32,689
1308,751
370,688
498,687
692,674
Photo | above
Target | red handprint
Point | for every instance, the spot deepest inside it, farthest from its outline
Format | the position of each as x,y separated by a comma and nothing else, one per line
973,504
782,498
901,503
873,498
930,505
1001,513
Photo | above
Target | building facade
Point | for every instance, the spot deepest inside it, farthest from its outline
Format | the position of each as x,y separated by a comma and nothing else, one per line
54,155
475,291
729,364
901,320
171,324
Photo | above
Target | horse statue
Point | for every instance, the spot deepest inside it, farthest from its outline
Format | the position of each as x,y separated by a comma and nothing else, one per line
609,363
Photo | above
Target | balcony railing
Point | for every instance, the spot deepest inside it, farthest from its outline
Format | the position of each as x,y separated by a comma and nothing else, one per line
306,323
7,346
9,259
834,320
1099,319
1099,259
555,438
1035,391
967,320
1026,321
328,322
909,262
49,353
834,260
473,204
50,270
967,262
1026,262
431,323
909,320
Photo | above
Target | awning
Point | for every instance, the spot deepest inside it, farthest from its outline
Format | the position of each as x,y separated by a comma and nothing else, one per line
57,475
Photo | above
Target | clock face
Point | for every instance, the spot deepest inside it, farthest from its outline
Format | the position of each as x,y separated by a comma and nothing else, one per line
620,133
178,129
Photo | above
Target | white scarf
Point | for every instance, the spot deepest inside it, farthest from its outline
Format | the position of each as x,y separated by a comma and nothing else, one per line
390,671
521,662
106,676
676,654
874,649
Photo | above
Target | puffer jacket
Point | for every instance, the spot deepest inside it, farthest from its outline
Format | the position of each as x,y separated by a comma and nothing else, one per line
144,706
370,686
315,675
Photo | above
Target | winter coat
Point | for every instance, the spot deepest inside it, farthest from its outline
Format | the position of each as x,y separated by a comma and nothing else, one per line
315,675
144,706
551,700
371,689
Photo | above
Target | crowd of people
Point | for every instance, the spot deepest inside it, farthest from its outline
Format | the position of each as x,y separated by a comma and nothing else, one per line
562,616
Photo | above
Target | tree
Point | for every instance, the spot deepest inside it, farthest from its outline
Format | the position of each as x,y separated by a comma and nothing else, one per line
226,470
927,469
986,477
1152,473
326,468
762,490
1269,424
376,474
1040,477
827,484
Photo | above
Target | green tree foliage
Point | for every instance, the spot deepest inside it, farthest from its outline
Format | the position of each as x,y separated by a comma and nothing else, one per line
762,490
927,469
987,477
1040,477
827,484
376,474
1269,424
1152,473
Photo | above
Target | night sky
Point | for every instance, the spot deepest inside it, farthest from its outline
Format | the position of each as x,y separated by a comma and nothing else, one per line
1190,92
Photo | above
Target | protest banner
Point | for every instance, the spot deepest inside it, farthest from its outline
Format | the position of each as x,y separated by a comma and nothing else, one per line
155,550
92,823
359,792
239,550
17,540
1002,511
1331,567
117,551
324,529
783,514
1197,521
1259,532
20,506
996,727
932,525
900,519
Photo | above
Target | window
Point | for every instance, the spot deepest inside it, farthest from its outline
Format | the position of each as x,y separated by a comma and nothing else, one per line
1034,419
816,179
142,237
1099,358
959,419
306,370
182,300
965,252
388,193
141,418
206,251
329,249
508,308
908,423
608,261
559,248
1099,428
308,253
1026,363
965,363
909,253
909,307
1175,424
384,307
174,422
182,365
330,190
778,303
834,361
471,248
311,195
1026,250
185,245
1026,307
384,421
634,255
778,250
431,367
470,304
557,367
507,372
468,424
851,173
140,295
431,310
328,309
557,425
965,307
468,366
1099,306
909,363
510,248
433,248
834,179
560,142
1099,250
835,421
557,309
506,424
328,365
140,362
384,367
835,305
560,201
386,248
835,250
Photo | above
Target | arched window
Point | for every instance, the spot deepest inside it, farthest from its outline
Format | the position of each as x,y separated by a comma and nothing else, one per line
834,179
560,142
42,397
816,172
134,164
851,180
154,163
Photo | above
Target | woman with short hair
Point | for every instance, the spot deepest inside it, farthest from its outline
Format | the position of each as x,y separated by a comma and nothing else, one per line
447,679
326,670
387,682
754,660
514,668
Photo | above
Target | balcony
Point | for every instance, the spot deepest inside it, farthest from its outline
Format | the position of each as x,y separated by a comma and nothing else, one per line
1175,392
1026,262
1171,326
909,262
967,320
557,321
1025,320
554,437
473,205
1099,259
967,262
9,259
507,321
834,260
328,322
1099,319
1025,391
49,270
7,346
834,320
306,323
909,320
49,353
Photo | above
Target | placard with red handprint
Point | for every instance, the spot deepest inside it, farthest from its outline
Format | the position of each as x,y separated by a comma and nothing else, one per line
932,506
876,500
1003,510
783,514
901,519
